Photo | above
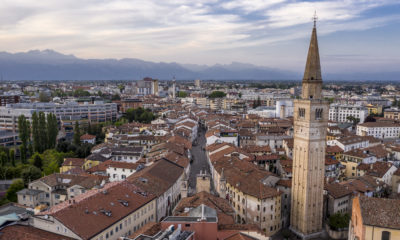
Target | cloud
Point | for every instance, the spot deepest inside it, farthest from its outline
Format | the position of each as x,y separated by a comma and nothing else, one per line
202,31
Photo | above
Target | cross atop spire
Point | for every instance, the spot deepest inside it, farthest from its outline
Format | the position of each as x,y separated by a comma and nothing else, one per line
315,18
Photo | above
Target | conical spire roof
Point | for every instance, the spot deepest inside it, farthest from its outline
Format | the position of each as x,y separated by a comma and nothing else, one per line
312,72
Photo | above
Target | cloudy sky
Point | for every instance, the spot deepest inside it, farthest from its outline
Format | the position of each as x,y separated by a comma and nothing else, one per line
354,35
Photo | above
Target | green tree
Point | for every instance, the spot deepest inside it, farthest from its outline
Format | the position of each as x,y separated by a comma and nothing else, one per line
15,186
77,134
42,132
115,97
353,119
35,132
52,160
121,88
12,157
140,115
81,93
43,97
339,221
3,158
52,130
30,173
24,136
37,160
182,94
217,94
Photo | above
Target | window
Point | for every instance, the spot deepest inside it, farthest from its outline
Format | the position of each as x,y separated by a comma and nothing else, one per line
385,235
302,112
318,113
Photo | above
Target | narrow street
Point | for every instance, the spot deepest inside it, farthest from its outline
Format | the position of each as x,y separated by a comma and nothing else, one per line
199,160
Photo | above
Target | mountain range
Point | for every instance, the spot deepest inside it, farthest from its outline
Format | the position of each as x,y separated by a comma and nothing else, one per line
52,65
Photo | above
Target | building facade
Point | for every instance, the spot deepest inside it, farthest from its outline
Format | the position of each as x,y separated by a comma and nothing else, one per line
342,112
97,112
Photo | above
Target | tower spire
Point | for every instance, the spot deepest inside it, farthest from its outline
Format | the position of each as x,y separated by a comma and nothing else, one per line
312,80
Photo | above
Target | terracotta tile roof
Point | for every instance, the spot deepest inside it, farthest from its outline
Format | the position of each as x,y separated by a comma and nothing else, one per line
182,161
68,180
380,212
358,153
330,161
333,149
397,173
256,148
22,232
224,210
75,171
377,169
216,145
337,190
96,157
154,179
240,236
150,229
246,177
352,139
102,167
77,162
362,184
378,151
180,141
289,142
285,183
87,137
267,157
87,224
379,124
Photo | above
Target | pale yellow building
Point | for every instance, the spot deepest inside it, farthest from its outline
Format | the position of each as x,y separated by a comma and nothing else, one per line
374,218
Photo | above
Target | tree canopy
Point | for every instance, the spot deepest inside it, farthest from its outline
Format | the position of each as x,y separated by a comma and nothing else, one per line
182,94
217,94
140,115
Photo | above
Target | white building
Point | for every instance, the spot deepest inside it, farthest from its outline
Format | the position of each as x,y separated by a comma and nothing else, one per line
147,86
119,171
350,143
96,112
340,112
381,130
284,108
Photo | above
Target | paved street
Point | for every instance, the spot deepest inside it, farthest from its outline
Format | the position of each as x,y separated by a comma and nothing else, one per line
200,159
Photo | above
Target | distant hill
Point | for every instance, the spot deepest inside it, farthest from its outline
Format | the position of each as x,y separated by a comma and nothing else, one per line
51,65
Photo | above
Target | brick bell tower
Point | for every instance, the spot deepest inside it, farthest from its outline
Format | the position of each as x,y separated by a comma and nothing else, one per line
310,123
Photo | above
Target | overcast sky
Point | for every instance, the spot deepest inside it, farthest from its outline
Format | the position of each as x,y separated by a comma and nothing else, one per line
354,35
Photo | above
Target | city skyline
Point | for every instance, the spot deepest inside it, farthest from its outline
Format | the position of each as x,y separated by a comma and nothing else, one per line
355,36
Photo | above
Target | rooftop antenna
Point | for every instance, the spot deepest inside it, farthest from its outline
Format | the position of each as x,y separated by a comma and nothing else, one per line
315,18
